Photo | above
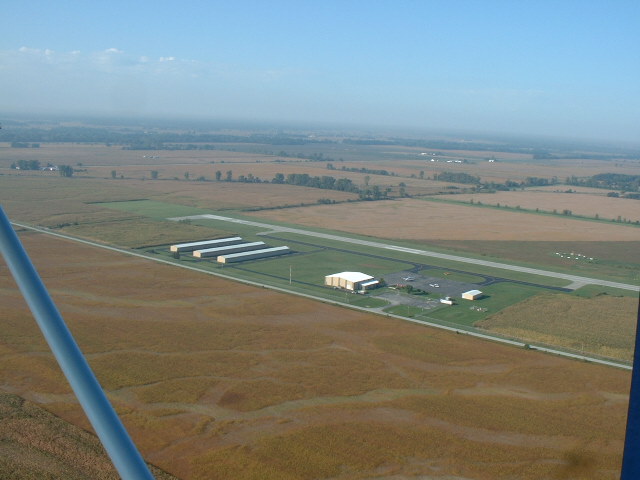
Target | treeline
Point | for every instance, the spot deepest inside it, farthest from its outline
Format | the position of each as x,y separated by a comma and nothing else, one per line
456,177
325,182
361,170
616,181
312,157
155,138
331,183
64,170
150,140
445,145
26,165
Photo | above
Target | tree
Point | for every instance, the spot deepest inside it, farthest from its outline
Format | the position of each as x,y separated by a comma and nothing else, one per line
28,165
218,175
66,171
113,174
366,180
229,175
154,174
186,175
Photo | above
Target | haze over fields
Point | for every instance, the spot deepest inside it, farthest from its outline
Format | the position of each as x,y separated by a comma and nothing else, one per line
563,69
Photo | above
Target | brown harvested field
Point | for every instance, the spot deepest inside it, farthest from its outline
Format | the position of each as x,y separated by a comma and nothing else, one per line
54,200
574,189
587,204
225,195
266,171
68,204
63,204
604,325
215,379
412,219
114,156
37,445
501,171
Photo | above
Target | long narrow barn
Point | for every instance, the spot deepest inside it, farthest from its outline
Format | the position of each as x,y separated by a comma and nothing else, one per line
240,247
254,254
220,242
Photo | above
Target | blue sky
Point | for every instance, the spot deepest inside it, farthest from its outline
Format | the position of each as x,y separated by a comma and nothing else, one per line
561,68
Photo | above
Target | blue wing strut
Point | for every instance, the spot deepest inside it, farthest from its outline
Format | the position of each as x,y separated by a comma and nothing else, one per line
631,458
105,421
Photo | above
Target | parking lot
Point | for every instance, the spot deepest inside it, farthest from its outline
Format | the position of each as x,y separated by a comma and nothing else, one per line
437,285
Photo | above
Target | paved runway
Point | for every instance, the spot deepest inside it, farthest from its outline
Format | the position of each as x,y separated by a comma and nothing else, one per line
576,281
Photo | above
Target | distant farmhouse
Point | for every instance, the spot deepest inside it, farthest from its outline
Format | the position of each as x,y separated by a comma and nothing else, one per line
352,281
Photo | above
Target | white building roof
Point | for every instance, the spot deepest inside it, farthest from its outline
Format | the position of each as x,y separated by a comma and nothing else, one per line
472,292
256,252
352,276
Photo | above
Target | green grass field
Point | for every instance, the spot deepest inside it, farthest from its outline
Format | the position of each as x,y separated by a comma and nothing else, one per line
496,298
303,271
449,275
154,208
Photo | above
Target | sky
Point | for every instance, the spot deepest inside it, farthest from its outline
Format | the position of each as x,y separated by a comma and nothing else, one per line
561,68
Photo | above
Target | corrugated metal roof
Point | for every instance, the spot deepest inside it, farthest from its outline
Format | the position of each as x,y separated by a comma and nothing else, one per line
472,292
352,276
255,252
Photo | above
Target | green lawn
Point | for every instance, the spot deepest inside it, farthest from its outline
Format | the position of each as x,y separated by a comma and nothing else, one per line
154,209
313,266
496,298
449,275
590,291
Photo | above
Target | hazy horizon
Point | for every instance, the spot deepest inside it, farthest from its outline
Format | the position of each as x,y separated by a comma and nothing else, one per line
564,70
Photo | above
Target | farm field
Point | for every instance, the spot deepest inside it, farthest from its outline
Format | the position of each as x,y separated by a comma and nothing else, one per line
88,155
585,204
412,219
36,445
572,321
611,259
213,377
85,207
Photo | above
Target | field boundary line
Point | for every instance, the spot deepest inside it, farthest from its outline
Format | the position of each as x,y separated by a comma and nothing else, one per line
460,330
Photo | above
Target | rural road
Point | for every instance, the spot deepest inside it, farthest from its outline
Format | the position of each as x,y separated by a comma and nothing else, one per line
576,281
368,310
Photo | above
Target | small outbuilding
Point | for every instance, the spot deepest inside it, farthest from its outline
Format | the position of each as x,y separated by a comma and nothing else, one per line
472,295
352,281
